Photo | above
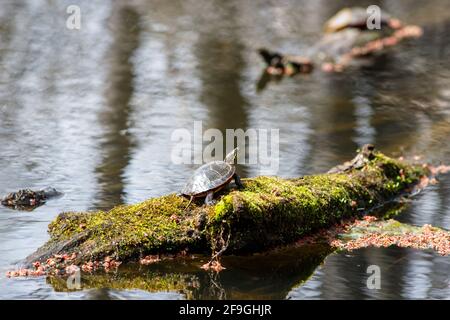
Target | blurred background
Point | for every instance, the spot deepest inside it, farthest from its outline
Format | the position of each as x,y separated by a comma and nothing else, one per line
91,113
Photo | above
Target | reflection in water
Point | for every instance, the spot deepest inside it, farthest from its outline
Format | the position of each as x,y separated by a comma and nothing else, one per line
263,276
220,65
91,112
418,280
116,145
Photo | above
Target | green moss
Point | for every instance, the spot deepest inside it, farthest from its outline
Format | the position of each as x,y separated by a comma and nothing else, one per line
147,227
272,211
269,211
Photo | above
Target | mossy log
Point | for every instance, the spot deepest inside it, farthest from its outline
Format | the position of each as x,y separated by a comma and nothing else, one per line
267,212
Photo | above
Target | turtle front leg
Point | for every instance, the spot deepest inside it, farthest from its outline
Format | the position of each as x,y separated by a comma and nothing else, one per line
238,181
209,198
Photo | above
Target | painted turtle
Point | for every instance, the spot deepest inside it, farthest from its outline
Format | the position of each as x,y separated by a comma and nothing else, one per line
212,177
357,18
278,64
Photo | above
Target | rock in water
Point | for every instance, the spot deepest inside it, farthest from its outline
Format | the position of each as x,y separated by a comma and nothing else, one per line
27,199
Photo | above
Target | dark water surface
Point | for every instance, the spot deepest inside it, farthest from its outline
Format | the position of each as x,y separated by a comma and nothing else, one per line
91,112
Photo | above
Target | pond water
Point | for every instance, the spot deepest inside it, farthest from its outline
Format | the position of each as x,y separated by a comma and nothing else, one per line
91,112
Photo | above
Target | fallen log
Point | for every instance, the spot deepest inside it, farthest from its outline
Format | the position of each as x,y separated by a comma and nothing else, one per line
267,212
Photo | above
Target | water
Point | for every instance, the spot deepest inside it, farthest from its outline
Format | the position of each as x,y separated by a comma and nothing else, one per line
91,113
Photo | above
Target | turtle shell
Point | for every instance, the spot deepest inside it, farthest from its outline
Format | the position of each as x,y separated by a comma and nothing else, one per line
209,177
351,18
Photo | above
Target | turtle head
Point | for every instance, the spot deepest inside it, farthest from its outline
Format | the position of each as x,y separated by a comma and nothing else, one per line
231,156
272,59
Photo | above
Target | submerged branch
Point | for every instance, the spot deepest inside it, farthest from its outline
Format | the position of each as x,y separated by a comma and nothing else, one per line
371,232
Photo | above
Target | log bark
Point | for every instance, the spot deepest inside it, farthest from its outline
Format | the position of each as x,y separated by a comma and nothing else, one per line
267,212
